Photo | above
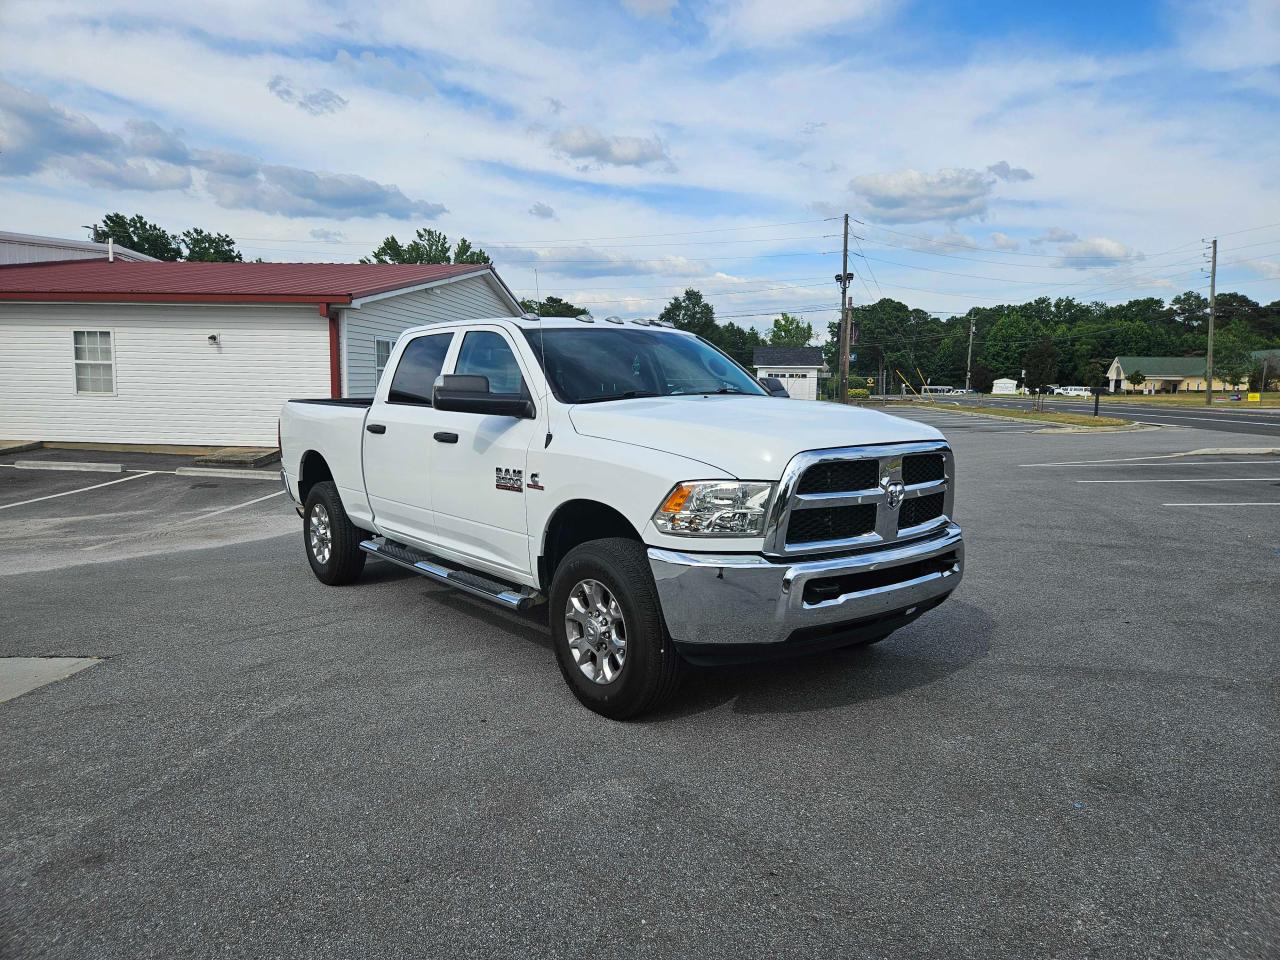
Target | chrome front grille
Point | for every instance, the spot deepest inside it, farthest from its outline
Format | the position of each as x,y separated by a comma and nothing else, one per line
855,497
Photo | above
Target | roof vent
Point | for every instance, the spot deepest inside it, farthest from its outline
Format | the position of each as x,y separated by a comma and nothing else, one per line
586,318
529,316
613,320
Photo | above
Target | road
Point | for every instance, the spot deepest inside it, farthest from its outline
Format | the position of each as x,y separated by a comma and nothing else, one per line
1261,423
1073,757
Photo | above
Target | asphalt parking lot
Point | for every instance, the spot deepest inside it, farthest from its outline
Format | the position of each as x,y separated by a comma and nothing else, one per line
1075,756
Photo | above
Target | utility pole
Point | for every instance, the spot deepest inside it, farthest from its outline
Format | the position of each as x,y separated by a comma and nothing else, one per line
843,280
1213,289
968,364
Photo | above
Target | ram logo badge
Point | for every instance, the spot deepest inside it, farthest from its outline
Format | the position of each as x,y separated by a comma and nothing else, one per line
535,482
508,479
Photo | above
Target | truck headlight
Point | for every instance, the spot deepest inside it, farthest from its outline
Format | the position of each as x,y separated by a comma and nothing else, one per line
715,508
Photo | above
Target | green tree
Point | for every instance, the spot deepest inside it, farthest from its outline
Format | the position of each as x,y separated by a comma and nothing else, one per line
552,307
1007,341
1136,379
199,245
463,252
429,246
982,377
1041,364
789,331
690,311
739,342
138,234
1231,359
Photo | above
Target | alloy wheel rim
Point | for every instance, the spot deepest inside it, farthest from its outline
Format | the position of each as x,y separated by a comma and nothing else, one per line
320,534
597,631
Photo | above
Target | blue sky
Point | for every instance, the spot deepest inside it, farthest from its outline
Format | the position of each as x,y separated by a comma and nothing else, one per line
987,152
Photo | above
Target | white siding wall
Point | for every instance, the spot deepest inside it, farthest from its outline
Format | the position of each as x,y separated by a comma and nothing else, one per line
471,298
172,385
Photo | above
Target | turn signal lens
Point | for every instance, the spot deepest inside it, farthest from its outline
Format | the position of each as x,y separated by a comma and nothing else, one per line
676,498
715,508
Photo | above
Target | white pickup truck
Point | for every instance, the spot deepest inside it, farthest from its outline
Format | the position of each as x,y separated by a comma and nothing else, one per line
649,490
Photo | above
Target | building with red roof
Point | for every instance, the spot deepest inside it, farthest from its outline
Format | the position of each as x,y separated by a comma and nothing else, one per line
152,352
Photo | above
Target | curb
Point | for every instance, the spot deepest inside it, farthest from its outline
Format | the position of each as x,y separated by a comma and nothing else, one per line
69,465
272,475
1135,428
1233,451
19,446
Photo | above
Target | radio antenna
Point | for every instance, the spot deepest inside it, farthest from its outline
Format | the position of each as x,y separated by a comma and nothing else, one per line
542,349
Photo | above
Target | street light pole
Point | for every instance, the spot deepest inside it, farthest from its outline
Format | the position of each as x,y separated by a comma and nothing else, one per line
968,363
1213,285
843,280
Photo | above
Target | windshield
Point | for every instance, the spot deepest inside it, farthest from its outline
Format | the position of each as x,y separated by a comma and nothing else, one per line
587,366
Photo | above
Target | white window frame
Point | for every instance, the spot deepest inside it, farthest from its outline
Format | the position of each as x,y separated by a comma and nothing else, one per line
379,370
76,363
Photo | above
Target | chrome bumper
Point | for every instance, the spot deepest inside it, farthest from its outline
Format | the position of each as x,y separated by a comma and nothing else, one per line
748,599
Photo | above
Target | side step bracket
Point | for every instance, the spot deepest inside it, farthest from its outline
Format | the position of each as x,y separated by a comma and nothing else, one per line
478,585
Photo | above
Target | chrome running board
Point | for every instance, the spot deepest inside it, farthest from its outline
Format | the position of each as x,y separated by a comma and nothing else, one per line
478,585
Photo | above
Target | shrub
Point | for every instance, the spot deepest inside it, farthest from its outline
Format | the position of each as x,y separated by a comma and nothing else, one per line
857,394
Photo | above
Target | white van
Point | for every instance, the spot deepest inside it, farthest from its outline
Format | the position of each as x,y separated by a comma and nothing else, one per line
1072,391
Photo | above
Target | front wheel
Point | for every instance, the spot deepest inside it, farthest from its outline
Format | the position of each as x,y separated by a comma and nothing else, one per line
332,541
611,641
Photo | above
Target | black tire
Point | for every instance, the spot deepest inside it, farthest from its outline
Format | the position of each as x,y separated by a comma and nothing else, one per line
652,669
346,559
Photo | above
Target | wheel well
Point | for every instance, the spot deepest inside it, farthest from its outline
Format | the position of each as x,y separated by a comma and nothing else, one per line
574,523
314,470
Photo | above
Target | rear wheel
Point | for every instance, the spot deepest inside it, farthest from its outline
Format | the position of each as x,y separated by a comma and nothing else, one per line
610,638
331,540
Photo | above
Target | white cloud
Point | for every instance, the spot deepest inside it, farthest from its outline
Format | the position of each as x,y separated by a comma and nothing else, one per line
38,135
1002,241
1096,252
909,196
594,147
328,236
1268,268
588,261
768,23
1002,171
315,102
1055,235
542,211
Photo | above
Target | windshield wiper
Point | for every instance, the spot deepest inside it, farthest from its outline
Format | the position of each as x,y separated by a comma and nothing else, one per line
627,395
728,390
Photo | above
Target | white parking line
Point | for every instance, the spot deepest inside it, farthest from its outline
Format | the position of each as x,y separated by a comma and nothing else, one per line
1185,463
1267,503
183,523
237,506
67,493
1194,480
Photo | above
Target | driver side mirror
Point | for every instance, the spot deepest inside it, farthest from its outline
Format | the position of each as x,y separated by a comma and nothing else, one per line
466,393
774,386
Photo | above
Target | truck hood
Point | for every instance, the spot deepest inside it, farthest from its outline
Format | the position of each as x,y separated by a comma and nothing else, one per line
751,438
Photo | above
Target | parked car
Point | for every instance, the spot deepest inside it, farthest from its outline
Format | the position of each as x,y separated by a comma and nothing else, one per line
1073,391
639,483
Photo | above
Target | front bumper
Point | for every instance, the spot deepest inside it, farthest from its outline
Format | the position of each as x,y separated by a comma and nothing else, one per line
729,599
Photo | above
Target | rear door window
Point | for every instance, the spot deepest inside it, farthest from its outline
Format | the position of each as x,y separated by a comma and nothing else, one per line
419,365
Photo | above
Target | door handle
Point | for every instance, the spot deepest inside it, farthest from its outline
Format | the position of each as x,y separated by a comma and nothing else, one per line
376,427
445,437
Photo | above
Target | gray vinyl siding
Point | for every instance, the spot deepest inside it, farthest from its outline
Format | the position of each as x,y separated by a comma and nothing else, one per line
471,298
171,384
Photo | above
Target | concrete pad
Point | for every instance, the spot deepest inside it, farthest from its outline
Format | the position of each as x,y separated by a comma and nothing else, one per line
19,675
69,465
1234,451
18,446
228,472
239,457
